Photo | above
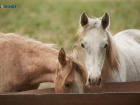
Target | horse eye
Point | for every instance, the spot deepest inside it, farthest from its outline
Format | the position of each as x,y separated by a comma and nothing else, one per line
82,45
105,45
67,85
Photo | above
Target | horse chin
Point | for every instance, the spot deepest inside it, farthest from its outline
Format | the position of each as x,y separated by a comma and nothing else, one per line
94,86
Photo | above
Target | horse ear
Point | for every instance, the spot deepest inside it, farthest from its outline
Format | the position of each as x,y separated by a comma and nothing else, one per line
105,20
62,57
75,52
83,19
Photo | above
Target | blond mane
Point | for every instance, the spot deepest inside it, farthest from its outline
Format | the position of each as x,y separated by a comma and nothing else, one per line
112,54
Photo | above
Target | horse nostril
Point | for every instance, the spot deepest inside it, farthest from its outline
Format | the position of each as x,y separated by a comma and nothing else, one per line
89,80
100,80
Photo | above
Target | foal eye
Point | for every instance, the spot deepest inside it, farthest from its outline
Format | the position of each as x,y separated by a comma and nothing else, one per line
67,85
105,45
82,45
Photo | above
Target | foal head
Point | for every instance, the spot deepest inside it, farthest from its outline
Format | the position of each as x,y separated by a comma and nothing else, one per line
97,44
71,76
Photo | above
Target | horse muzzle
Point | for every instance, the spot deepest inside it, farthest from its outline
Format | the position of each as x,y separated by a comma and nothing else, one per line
94,82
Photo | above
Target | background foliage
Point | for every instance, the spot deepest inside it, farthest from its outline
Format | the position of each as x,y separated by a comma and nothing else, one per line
56,21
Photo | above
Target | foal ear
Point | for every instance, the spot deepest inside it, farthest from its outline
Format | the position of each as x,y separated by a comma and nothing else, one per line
75,52
83,19
62,57
105,20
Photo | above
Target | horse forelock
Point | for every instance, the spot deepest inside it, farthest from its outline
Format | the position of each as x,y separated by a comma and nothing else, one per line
82,30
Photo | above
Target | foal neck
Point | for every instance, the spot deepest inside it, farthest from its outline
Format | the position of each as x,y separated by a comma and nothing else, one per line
43,65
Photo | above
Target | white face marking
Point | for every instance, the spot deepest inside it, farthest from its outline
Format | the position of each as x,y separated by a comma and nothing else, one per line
78,82
94,52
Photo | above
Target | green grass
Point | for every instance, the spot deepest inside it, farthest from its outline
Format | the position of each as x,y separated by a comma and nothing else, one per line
57,21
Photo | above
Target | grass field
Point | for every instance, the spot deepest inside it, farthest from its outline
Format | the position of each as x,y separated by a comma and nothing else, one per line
57,21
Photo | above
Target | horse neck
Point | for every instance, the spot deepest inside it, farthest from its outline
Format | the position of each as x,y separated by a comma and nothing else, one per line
43,64
106,71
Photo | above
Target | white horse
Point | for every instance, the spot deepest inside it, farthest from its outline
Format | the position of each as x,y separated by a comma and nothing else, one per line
109,58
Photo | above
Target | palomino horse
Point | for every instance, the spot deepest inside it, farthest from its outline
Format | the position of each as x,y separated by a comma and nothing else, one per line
109,58
25,63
